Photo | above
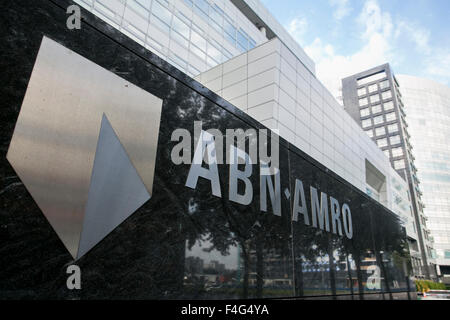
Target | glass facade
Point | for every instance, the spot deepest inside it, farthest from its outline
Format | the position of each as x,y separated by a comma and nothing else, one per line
427,105
193,35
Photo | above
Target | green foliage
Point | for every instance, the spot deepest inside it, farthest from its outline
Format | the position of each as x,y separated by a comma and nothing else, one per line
426,285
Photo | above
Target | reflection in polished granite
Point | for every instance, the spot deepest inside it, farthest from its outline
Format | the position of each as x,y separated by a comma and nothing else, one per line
183,243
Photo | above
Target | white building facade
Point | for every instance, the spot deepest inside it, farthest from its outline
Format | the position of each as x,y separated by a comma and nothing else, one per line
273,86
237,49
427,105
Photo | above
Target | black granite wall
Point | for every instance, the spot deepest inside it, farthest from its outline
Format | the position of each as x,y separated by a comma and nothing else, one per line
182,243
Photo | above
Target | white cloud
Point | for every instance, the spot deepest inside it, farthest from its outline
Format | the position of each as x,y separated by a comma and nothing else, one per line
332,67
374,20
343,8
297,28
437,66
382,40
375,50
412,32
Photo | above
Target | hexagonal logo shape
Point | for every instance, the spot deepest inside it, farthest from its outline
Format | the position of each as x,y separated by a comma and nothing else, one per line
84,145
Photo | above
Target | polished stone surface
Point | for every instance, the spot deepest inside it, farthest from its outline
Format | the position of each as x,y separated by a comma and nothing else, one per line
183,243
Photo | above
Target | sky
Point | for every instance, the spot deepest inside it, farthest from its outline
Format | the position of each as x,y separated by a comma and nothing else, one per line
344,37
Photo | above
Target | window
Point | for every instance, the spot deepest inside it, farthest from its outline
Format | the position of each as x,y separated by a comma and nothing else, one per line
216,17
387,153
214,53
363,102
373,88
161,12
361,92
179,38
376,109
388,105
366,123
180,27
194,70
160,24
375,98
380,131
178,61
198,40
211,62
198,52
384,84
227,55
229,28
386,94
399,164
394,139
382,142
374,77
242,39
378,120
364,112
447,254
392,128
397,152
251,43
198,29
391,116
231,39
369,133
140,6
202,5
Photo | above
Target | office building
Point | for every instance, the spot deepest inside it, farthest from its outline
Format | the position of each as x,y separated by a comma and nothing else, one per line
374,100
427,105
250,60
92,182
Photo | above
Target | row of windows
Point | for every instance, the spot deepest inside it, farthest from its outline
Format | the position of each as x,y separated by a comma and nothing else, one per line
435,165
222,23
399,164
182,30
375,98
133,16
373,88
379,120
381,131
392,140
387,106
441,177
396,152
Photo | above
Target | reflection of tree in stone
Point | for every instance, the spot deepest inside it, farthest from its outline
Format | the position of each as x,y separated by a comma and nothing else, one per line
362,241
343,247
223,224
392,249
332,243
326,243
306,250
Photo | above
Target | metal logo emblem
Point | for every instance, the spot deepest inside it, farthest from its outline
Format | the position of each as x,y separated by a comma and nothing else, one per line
84,146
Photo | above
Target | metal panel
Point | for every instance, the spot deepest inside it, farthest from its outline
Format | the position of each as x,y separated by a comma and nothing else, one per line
116,190
55,139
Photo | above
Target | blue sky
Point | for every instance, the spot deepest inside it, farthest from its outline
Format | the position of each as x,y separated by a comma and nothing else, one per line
347,36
